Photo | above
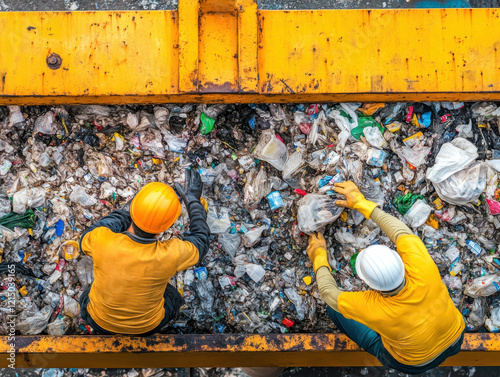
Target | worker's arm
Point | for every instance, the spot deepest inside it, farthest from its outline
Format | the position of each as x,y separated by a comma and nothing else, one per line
354,199
327,287
199,232
117,221
390,225
407,243
319,257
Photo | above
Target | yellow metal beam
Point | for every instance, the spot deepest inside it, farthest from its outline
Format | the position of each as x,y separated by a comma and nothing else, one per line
213,51
220,350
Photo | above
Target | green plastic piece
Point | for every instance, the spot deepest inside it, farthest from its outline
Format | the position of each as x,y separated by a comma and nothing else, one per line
404,202
14,220
207,124
353,263
364,122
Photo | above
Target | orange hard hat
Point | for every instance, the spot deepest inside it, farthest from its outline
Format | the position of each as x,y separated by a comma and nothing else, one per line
155,208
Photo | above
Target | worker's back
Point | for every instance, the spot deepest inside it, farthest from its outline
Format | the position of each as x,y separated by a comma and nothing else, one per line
130,277
417,323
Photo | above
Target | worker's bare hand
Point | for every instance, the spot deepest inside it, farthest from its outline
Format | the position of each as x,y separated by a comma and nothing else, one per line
353,196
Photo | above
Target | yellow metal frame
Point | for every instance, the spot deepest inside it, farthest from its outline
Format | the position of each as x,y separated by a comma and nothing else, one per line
220,350
229,51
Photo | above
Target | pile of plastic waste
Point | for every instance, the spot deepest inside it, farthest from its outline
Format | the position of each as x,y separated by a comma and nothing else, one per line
268,173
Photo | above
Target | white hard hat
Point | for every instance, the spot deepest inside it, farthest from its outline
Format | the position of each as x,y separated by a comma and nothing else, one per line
380,267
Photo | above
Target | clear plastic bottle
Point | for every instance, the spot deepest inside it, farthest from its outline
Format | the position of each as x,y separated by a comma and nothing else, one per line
418,213
57,272
486,285
295,298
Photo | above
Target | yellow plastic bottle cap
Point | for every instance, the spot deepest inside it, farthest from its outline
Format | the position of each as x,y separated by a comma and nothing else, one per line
23,291
307,280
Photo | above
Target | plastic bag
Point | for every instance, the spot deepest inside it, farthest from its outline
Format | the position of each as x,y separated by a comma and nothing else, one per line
255,271
493,323
486,285
296,299
256,187
175,144
463,187
415,156
80,196
45,124
85,271
5,206
35,324
59,326
16,116
316,211
293,165
452,158
465,130
272,150
218,222
230,242
477,317
251,237
25,198
303,121
151,140
71,307
345,128
345,237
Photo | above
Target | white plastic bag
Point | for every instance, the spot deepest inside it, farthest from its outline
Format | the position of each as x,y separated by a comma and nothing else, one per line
415,156
465,186
175,144
218,223
45,124
251,237
80,196
25,198
316,211
452,158
36,323
230,242
272,150
293,165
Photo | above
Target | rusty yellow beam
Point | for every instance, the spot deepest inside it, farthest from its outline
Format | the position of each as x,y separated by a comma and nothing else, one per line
215,351
228,51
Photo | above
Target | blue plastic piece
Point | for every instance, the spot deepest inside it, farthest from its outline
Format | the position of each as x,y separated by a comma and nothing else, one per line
59,228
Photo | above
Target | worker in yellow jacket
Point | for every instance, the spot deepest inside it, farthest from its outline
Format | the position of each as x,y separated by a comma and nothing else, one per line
131,293
407,320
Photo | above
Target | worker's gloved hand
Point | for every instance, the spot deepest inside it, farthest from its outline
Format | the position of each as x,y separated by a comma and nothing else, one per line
191,192
354,198
317,252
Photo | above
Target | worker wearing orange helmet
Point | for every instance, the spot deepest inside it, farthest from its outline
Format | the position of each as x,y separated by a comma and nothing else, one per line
131,293
408,320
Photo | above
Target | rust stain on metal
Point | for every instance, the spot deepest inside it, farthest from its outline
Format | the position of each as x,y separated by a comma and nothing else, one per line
210,87
54,61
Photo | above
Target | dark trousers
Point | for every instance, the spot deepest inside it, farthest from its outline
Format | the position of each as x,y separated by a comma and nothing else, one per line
371,342
173,302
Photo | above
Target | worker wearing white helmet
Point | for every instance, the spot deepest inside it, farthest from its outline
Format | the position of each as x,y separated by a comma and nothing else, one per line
408,320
